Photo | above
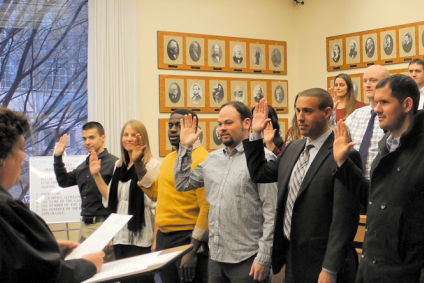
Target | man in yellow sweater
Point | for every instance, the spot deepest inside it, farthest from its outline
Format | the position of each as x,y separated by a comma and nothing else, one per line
181,218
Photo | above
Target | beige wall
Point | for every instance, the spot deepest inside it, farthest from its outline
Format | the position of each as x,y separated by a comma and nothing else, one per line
305,29
317,20
262,19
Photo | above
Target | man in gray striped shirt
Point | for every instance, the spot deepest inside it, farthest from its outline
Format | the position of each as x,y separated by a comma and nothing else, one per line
241,213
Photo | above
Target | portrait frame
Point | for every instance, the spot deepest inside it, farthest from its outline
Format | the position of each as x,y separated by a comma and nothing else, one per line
257,56
407,50
233,46
385,53
368,54
181,87
255,87
166,55
214,91
212,134
221,54
165,146
192,86
333,59
235,87
353,57
356,79
420,40
284,126
191,54
271,60
283,105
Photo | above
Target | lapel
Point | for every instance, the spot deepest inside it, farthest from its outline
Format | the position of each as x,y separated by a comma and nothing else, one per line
286,165
325,150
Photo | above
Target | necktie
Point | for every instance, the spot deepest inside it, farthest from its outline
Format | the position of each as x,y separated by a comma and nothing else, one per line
366,140
294,186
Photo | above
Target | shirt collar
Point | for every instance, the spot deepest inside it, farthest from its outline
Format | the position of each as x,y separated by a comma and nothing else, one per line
392,143
238,148
317,143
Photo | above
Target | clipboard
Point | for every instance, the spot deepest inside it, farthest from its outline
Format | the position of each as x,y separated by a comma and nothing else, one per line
164,257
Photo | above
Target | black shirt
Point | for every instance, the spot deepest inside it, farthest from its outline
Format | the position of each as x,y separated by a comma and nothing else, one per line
91,199
28,250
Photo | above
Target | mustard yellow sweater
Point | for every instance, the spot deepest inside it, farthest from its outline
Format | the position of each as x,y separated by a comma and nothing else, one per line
177,211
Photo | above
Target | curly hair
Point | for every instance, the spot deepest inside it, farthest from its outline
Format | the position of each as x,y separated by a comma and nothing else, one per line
12,125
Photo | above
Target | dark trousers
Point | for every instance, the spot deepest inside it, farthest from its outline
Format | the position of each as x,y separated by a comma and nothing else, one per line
346,275
125,251
221,272
170,273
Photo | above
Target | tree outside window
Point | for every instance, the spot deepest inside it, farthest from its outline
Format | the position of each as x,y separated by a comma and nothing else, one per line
43,72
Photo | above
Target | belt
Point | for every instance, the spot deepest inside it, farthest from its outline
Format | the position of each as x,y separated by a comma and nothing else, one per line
93,219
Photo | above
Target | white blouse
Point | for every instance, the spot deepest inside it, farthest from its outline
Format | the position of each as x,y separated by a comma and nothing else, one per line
145,237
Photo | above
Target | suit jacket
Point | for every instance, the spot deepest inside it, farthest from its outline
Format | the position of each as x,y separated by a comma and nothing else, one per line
394,243
325,214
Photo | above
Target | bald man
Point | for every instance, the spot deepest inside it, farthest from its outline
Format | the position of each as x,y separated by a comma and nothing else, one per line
358,122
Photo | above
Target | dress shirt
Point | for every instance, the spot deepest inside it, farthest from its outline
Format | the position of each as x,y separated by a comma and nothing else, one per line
392,143
145,237
317,143
241,214
357,124
420,104
91,199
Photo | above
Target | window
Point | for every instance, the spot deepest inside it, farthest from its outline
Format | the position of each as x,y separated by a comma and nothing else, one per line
43,72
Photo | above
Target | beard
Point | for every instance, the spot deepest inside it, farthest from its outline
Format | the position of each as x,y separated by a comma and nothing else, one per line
229,142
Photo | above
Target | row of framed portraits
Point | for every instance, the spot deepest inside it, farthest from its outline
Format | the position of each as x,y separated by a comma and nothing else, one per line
207,94
198,52
358,85
392,45
209,139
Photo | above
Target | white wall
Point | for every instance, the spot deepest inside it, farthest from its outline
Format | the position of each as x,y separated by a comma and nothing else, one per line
303,27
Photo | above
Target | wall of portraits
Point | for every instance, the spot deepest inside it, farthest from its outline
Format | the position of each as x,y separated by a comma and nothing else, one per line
209,139
391,45
358,87
199,52
207,94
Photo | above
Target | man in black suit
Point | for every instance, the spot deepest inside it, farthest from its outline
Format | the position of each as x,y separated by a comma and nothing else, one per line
316,217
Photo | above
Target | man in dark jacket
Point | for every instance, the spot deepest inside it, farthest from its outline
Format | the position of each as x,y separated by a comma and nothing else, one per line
393,249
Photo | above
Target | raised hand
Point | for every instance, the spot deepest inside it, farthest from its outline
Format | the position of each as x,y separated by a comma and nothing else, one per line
188,133
138,151
95,163
61,145
336,100
341,143
260,116
269,133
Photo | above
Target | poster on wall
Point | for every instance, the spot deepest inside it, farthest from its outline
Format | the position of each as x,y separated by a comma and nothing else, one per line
51,202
